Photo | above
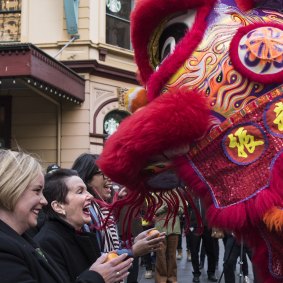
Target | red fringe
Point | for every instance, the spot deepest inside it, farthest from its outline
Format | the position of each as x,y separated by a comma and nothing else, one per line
147,203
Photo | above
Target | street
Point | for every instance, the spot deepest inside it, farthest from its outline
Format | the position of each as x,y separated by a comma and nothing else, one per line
185,269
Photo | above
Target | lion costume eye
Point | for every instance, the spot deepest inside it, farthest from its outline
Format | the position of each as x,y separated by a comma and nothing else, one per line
167,36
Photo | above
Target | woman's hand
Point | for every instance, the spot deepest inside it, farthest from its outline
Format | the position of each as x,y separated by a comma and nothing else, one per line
112,271
123,192
145,243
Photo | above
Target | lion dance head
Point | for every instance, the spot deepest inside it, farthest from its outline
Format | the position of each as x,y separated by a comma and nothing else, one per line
210,116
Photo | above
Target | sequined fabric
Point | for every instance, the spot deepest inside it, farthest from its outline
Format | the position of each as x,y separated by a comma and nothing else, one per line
240,158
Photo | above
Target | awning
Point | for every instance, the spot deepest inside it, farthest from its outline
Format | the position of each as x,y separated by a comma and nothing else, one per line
28,65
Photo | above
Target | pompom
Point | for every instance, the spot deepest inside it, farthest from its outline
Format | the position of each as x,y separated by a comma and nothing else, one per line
273,219
133,99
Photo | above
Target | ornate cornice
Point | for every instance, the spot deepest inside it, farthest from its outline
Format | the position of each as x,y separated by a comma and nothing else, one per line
27,61
95,68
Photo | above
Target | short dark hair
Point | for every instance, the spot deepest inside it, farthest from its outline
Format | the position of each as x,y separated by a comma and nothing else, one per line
86,167
55,188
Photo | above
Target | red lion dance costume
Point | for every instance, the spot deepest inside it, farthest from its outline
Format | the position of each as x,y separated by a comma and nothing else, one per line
213,73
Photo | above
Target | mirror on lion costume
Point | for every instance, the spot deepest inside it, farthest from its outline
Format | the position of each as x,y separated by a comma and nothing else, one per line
212,115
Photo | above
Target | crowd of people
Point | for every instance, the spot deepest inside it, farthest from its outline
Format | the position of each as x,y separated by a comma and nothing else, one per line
52,229
61,249
202,251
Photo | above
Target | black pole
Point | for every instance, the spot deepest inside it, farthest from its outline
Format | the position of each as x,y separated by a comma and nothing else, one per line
241,261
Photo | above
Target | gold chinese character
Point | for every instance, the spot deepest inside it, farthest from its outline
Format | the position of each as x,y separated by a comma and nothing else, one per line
243,141
279,115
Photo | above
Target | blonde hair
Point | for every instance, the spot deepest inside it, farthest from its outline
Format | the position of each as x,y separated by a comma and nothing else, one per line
17,170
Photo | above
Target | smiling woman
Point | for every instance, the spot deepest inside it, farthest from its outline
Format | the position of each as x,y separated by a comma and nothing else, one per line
70,201
21,192
21,199
73,250
100,186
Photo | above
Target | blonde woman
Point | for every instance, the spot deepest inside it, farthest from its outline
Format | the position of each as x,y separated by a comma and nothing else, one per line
21,199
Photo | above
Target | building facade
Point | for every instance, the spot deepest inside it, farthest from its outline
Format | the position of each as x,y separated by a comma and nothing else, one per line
63,64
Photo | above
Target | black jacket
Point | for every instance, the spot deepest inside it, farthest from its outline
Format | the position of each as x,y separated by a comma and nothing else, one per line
202,213
22,261
73,252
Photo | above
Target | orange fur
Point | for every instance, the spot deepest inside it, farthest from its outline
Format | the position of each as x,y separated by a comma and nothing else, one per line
273,219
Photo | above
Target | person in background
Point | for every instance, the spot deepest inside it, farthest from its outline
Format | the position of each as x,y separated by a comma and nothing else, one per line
231,254
202,256
21,199
147,259
100,186
179,247
61,235
216,234
166,262
52,167
208,242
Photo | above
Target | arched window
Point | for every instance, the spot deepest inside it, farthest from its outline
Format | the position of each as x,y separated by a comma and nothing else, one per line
112,120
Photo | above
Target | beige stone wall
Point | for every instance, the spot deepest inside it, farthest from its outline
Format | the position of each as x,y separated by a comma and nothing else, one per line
79,122
43,21
75,132
44,24
84,20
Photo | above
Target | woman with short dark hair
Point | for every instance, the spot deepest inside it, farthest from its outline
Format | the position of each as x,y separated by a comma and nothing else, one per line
62,237
100,186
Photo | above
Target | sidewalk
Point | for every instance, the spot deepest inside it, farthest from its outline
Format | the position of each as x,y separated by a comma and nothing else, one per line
185,275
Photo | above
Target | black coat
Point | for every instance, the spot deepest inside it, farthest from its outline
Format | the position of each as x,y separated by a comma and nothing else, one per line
20,261
73,252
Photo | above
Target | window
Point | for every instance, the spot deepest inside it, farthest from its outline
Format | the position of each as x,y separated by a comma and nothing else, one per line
10,20
118,22
5,122
112,120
